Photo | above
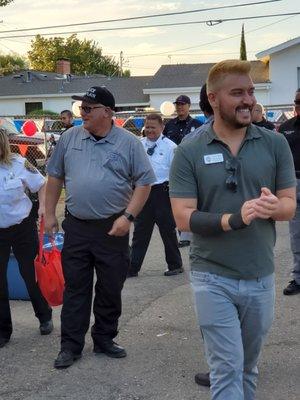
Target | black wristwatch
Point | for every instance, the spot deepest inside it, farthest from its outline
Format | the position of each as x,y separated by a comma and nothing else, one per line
129,216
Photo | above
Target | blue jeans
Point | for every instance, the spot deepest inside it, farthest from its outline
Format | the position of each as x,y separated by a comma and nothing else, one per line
234,317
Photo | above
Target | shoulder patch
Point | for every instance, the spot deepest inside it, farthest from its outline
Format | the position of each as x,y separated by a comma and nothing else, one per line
30,167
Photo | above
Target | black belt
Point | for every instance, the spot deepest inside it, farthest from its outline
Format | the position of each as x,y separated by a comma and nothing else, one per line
164,186
102,221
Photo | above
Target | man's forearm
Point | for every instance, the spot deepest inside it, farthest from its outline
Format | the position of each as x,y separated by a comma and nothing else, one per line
53,191
138,200
286,210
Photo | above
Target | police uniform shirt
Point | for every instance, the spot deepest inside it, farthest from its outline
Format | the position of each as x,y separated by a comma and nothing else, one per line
99,175
161,158
291,130
14,179
176,128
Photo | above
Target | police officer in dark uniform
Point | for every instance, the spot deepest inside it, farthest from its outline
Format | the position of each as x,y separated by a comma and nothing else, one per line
100,164
183,124
291,130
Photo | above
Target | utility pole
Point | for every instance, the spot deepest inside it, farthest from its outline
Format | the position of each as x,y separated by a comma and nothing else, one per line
121,63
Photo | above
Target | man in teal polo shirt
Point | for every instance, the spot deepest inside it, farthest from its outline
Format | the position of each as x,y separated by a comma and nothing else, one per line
228,186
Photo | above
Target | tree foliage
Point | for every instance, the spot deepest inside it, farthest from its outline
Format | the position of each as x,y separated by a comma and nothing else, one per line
5,2
243,52
11,63
85,55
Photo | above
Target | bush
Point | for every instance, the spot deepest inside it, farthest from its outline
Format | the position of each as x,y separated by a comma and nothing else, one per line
42,113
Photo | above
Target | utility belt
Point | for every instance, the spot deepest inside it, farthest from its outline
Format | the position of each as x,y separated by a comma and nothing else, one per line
161,186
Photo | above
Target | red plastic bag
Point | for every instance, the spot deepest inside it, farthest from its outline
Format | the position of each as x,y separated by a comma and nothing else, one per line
48,271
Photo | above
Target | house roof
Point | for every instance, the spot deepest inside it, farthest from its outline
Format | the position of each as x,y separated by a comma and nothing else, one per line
194,75
279,47
125,90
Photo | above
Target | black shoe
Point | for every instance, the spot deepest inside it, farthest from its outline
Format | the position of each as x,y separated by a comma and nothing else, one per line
292,288
65,359
202,379
3,342
46,327
184,243
131,274
111,349
172,272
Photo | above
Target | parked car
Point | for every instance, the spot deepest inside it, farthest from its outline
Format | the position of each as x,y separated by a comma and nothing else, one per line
31,147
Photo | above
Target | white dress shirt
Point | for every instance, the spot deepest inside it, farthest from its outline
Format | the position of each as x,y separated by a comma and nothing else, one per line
14,179
161,158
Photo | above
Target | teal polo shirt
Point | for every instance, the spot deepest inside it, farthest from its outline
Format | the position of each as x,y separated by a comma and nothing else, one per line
200,170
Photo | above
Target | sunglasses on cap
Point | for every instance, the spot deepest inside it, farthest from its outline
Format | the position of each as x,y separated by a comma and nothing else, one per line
88,109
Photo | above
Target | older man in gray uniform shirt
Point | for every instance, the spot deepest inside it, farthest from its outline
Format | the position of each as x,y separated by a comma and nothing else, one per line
100,164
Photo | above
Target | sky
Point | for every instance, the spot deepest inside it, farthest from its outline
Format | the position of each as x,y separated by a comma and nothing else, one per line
191,43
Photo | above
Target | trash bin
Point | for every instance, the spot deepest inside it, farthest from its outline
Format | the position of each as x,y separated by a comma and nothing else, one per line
16,286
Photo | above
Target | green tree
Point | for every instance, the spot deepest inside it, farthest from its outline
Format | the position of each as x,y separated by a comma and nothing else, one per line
5,2
85,55
243,52
10,63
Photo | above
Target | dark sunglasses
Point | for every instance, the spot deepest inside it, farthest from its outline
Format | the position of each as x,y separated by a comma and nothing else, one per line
297,102
151,150
231,182
88,109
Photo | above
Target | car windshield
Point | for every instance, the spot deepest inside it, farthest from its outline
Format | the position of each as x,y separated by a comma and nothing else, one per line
9,126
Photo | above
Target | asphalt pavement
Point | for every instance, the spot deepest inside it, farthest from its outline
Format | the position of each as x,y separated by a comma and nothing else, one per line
158,328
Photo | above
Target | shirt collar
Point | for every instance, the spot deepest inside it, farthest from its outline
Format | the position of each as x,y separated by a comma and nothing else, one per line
111,137
253,132
150,143
178,121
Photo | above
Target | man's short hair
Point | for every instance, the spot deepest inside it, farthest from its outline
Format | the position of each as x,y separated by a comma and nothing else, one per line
68,112
204,103
220,70
154,117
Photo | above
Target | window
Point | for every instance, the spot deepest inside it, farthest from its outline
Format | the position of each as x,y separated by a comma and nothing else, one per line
29,107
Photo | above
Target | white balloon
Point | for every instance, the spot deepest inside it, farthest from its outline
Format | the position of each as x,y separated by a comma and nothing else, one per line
167,108
75,108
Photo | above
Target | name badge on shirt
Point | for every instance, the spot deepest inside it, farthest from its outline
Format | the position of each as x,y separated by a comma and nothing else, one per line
213,158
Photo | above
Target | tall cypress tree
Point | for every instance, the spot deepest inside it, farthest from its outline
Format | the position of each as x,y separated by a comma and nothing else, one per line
243,52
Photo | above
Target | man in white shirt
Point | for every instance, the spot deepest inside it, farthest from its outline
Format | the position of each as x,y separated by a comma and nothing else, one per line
157,209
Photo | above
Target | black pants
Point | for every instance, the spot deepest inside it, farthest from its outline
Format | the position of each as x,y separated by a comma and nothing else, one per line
157,210
23,240
87,246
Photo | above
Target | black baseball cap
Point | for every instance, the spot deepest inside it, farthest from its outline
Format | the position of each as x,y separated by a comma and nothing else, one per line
183,99
98,94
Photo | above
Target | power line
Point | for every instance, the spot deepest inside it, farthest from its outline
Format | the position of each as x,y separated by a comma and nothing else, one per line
208,43
210,22
139,17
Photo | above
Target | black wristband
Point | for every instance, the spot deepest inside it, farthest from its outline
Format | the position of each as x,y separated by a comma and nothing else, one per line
206,224
236,222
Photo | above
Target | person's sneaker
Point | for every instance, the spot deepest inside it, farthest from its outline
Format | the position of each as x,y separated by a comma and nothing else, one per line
111,349
46,327
292,288
202,379
183,243
172,272
65,359
3,342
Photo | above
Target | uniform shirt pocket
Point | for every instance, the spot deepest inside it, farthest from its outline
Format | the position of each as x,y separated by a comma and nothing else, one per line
13,189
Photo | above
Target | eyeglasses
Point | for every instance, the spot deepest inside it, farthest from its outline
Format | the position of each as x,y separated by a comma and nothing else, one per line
231,182
151,150
88,109
297,102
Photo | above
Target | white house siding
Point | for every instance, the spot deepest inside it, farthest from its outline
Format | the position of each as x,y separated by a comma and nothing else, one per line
14,107
158,96
284,75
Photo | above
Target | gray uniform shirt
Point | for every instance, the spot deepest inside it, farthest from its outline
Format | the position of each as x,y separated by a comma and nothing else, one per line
199,170
99,175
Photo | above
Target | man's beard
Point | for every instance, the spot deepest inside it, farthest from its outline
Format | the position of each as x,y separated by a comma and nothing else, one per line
232,121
